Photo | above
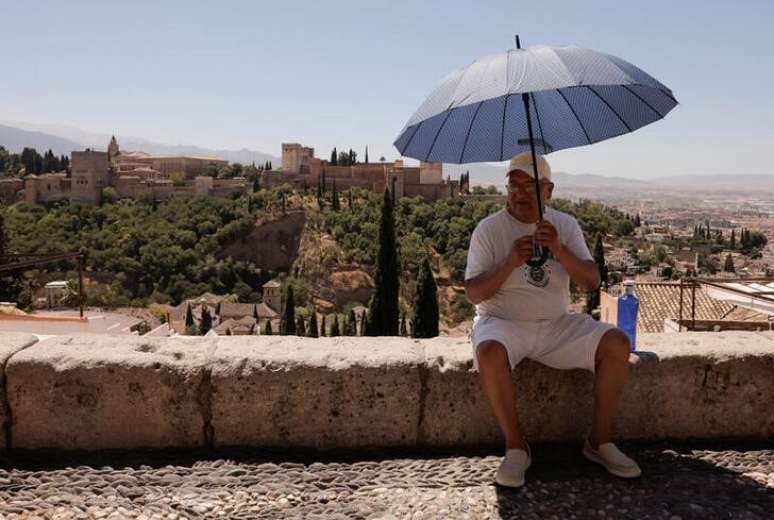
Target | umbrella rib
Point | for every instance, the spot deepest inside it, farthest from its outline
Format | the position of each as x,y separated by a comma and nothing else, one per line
502,131
643,101
576,115
540,127
611,108
408,143
438,133
467,136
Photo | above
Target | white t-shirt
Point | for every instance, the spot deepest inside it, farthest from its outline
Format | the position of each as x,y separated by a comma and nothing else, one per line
527,294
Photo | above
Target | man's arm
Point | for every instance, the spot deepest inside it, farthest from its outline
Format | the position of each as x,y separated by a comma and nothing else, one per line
584,273
486,285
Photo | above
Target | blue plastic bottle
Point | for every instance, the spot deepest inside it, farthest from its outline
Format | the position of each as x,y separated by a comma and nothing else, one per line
628,305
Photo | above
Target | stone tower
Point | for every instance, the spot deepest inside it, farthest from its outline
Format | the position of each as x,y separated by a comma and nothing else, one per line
272,295
113,150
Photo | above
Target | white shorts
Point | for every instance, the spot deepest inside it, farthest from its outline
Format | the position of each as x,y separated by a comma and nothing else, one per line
569,341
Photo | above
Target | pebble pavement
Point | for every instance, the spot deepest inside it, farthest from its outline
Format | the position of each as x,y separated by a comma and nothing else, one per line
699,481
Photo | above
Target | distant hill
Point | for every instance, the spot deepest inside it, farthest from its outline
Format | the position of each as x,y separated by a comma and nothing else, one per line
483,173
15,140
64,139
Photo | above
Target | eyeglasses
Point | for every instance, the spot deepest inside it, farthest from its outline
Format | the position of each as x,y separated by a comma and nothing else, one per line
526,187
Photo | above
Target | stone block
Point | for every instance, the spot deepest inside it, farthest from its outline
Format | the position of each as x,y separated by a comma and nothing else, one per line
94,391
324,393
702,384
553,405
10,344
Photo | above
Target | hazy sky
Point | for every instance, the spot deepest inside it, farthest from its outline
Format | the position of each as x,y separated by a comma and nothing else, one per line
255,74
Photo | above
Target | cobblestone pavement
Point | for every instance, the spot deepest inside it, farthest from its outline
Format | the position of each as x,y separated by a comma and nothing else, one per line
709,480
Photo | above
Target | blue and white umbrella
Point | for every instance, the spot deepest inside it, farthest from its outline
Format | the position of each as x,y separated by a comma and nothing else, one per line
539,98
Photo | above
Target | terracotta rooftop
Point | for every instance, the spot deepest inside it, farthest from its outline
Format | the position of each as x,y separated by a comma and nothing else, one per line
661,300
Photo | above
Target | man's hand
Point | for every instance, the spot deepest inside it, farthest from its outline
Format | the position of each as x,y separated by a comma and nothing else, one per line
547,236
521,251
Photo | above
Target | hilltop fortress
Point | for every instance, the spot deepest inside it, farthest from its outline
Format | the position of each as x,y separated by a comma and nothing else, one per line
162,177
132,175
300,167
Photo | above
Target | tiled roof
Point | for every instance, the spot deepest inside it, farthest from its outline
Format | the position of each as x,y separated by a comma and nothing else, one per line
264,311
236,310
661,300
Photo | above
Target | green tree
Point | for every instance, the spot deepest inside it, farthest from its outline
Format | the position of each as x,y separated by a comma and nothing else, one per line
334,157
267,328
732,242
312,331
366,155
424,323
206,322
402,327
729,265
637,222
323,327
288,322
383,307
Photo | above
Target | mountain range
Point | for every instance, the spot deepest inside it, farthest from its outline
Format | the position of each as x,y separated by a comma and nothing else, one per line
63,139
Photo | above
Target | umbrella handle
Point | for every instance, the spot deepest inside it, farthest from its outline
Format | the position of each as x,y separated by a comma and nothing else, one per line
537,261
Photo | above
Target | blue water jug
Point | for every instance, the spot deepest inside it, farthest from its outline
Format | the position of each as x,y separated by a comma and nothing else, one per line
628,305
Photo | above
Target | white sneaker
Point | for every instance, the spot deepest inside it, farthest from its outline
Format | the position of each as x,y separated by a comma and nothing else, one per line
512,468
612,459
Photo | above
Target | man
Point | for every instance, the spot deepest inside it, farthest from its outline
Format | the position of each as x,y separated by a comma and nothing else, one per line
522,312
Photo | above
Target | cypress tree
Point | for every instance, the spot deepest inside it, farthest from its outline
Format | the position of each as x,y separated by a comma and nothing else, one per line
189,321
300,326
228,332
351,324
311,332
319,193
599,258
288,323
637,220
424,323
729,265
255,312
334,157
366,155
2,235
383,308
335,197
732,243
335,326
402,328
267,329
256,184
350,200
593,298
323,331
206,323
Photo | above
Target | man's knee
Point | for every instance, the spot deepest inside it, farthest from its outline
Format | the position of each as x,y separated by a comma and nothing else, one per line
614,346
491,352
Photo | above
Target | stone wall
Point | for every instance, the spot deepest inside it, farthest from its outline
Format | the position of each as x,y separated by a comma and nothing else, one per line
98,391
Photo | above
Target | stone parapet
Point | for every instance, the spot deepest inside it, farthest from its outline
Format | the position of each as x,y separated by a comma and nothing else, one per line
98,391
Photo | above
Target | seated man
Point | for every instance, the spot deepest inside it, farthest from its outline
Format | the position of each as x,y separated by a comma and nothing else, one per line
522,312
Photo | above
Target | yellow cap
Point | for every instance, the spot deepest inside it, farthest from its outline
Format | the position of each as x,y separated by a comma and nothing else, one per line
523,162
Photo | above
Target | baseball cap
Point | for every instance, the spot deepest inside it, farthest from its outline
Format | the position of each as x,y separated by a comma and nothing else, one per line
523,162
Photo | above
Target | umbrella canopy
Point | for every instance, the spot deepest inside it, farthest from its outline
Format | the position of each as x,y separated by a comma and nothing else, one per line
575,96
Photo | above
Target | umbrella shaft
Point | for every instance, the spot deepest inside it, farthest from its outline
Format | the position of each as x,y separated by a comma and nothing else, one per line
525,98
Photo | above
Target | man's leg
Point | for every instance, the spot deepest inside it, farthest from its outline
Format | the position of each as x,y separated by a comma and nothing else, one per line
612,371
495,375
